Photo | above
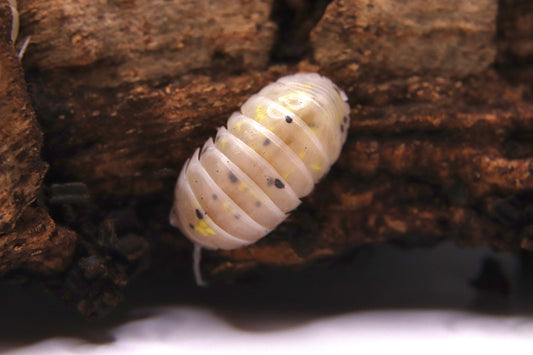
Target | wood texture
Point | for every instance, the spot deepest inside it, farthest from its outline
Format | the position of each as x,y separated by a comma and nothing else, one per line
36,245
21,169
515,39
439,148
384,38
123,41
456,164
30,241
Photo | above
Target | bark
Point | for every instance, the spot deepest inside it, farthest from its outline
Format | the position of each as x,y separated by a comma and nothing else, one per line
396,38
453,164
29,238
439,145
21,169
515,32
37,245
125,41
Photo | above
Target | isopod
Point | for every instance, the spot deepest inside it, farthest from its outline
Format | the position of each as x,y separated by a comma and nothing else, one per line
242,184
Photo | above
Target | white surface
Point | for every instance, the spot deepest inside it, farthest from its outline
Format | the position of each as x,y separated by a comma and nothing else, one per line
382,301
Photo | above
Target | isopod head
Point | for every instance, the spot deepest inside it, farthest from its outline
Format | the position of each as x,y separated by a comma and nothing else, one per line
242,184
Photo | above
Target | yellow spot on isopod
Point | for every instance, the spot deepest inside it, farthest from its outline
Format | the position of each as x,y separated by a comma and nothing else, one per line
242,186
228,208
271,128
225,206
260,114
308,86
238,126
301,155
204,229
317,167
222,142
286,175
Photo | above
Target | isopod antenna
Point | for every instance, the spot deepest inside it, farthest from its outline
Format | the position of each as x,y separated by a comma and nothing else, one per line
196,267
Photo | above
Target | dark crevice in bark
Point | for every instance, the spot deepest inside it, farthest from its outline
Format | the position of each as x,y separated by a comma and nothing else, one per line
513,38
295,20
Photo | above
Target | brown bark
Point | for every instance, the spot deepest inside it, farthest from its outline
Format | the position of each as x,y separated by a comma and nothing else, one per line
123,41
21,170
36,245
515,33
455,164
385,38
29,238
439,146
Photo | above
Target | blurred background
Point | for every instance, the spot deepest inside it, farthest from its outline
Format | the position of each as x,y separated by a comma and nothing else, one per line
440,299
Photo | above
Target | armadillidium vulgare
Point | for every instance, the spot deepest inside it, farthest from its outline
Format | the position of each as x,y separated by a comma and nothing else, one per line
239,187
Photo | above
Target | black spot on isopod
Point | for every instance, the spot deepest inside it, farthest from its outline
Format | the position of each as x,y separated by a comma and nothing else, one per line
232,177
191,226
214,196
345,119
237,216
270,181
199,214
279,184
266,142
257,203
342,129
288,119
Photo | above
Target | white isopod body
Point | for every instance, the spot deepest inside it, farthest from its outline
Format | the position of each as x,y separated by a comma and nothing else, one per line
240,186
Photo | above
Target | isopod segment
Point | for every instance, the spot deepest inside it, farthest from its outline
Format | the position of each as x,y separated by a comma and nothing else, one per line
240,186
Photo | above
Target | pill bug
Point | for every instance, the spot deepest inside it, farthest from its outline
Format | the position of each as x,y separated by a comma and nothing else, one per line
242,184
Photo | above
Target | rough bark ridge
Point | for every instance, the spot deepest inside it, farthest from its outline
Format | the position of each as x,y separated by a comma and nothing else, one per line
21,170
29,238
130,41
439,146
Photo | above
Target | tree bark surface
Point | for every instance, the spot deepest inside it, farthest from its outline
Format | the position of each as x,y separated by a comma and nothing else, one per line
29,238
439,147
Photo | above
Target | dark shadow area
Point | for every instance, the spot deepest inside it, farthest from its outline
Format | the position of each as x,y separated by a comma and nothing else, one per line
386,278
514,31
295,20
